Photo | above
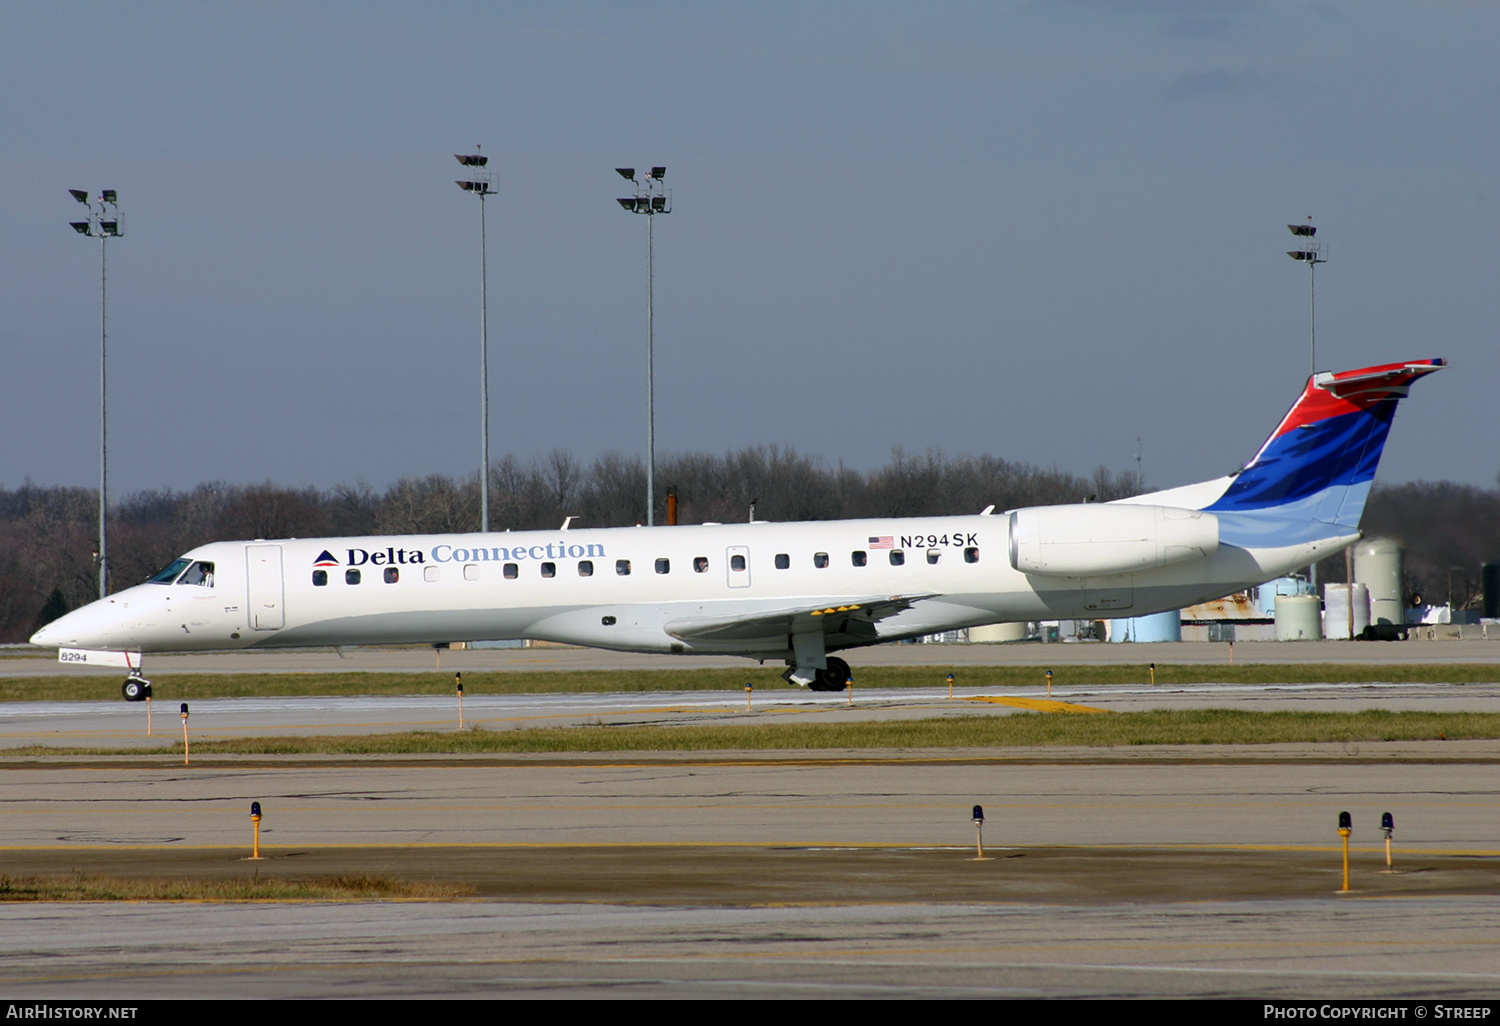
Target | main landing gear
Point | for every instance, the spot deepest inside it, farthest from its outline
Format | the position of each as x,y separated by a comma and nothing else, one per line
136,688
834,678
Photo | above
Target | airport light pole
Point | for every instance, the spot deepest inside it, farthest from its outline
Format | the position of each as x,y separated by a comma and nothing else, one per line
1312,254
480,185
651,198
104,223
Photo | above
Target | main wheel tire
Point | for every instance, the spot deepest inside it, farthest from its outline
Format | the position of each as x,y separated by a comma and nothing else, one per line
835,678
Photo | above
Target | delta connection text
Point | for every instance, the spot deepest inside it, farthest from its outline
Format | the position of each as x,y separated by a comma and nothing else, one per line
1435,1011
469,554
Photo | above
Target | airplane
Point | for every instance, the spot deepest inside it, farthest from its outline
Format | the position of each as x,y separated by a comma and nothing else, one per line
793,592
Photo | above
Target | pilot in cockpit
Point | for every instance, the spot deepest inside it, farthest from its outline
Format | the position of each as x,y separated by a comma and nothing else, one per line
200,573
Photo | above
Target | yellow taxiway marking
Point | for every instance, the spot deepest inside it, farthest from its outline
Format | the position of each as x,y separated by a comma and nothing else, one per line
1038,704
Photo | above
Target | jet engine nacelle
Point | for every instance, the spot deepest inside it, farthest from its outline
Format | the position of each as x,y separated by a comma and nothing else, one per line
1098,540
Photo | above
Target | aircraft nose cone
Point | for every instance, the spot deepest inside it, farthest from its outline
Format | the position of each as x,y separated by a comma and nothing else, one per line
88,627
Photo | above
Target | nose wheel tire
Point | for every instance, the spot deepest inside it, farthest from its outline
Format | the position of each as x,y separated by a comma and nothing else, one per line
136,689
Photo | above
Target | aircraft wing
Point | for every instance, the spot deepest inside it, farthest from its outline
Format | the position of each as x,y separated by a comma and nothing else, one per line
842,616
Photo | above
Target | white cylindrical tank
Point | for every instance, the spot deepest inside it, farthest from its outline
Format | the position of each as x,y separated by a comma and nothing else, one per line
1266,595
1336,601
1156,627
993,632
1298,618
1377,565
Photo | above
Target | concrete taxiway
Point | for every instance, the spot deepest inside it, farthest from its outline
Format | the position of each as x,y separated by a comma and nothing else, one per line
1475,646
1194,871
1178,872
121,725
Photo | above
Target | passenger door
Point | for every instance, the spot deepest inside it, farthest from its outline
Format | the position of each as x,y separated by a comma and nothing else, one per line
266,593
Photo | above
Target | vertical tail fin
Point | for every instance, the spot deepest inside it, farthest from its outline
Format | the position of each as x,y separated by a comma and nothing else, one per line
1310,479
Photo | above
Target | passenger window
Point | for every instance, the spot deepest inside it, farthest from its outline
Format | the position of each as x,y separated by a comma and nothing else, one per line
783,561
898,558
320,578
820,560
429,573
971,555
700,564
663,566
471,571
933,555
586,568
622,567
858,557
549,569
737,563
511,571
351,576
392,575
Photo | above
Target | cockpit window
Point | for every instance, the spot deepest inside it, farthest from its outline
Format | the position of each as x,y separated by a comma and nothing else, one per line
200,573
169,575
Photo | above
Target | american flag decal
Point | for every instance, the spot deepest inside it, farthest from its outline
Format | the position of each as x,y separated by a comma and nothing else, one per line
885,541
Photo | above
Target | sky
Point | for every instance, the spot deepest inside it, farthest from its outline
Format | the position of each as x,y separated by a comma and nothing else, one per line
1040,230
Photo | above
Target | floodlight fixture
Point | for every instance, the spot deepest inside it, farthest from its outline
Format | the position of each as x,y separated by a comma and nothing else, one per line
658,173
81,227
1306,255
80,195
658,204
471,159
628,202
107,195
1302,229
110,228
627,173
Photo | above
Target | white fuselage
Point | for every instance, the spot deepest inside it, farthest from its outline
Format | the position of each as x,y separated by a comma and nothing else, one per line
636,589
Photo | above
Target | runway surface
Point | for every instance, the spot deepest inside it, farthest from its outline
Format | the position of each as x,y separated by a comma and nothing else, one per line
1152,871
1475,646
122,725
1314,950
1184,872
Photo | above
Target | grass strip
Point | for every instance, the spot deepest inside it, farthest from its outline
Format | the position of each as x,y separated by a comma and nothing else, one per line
1162,727
356,887
186,687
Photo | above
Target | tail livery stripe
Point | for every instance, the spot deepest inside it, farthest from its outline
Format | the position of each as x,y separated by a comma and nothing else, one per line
1331,438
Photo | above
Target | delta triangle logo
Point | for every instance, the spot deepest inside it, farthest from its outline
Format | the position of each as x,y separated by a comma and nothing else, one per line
325,558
